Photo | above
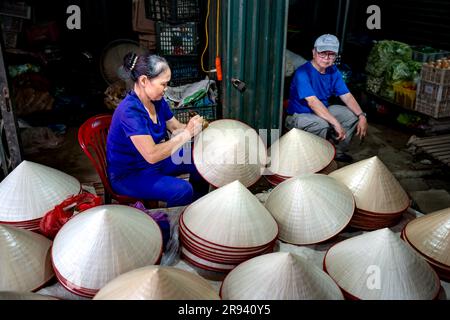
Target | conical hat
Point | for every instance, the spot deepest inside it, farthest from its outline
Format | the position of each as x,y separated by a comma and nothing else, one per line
157,283
15,295
374,187
191,241
231,216
32,189
299,152
310,208
25,263
378,265
430,235
279,276
205,264
103,242
229,150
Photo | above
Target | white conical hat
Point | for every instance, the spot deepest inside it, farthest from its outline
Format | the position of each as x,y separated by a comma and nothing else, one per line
374,187
229,150
25,263
430,235
299,152
231,216
310,208
15,295
279,276
378,265
32,189
190,241
103,242
205,264
158,283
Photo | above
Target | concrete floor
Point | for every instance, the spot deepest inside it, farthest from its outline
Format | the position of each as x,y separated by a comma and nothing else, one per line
427,183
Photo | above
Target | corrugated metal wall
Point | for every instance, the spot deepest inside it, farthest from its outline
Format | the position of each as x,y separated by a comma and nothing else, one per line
252,49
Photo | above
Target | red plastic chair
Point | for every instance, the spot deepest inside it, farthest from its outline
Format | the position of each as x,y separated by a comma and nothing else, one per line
92,139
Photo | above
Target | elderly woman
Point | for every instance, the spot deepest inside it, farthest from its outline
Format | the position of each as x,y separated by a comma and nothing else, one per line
139,156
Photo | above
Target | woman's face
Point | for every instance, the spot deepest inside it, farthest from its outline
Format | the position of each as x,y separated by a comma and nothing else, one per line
154,88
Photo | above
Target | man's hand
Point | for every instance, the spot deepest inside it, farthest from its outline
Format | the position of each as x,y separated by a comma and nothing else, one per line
339,131
361,128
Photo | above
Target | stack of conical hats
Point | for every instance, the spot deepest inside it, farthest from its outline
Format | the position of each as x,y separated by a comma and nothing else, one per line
310,208
378,265
25,263
279,276
230,150
429,235
30,191
158,283
14,295
226,227
101,243
380,199
299,152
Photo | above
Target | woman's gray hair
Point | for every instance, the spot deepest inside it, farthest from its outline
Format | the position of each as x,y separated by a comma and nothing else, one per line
150,65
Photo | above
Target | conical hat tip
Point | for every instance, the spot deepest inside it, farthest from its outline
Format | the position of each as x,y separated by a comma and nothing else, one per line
386,235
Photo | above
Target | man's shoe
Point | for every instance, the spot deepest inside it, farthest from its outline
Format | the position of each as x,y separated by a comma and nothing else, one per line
343,157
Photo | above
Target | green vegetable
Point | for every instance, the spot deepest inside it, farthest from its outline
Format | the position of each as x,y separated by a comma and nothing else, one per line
383,53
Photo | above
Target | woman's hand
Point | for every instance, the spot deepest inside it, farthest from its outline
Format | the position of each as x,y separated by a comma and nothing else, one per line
194,125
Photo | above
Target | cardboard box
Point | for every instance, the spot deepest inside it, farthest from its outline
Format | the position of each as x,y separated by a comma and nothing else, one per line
140,22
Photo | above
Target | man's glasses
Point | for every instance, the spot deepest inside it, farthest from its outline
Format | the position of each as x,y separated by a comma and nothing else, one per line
329,55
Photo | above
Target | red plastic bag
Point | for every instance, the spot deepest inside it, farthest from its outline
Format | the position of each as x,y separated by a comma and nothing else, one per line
57,217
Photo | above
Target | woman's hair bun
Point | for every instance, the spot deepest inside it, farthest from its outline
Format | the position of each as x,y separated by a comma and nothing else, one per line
129,61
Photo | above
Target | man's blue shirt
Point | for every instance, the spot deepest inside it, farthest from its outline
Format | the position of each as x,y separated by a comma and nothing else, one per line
307,82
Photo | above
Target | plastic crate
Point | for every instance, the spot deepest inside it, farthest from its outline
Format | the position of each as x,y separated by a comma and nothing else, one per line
428,56
176,40
184,70
404,95
172,11
433,91
208,112
437,108
435,75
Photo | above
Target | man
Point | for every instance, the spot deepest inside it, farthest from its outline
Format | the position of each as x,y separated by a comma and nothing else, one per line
308,109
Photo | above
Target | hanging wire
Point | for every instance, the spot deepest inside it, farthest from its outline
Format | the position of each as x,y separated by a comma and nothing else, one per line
217,27
207,39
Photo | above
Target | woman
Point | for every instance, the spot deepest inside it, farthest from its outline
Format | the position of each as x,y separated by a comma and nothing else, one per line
139,159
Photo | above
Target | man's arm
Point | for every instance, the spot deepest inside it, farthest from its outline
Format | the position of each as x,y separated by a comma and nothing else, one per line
352,104
321,111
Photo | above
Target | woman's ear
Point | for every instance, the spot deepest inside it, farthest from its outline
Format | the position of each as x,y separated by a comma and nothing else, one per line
142,80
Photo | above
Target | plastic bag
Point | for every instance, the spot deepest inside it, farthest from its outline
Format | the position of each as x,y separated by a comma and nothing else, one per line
161,218
54,219
167,219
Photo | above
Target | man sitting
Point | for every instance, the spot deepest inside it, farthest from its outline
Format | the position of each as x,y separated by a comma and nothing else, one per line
311,87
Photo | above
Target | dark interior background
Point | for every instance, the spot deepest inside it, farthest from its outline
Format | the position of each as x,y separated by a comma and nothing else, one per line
74,58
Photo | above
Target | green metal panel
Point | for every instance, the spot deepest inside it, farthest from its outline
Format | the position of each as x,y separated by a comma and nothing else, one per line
252,49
